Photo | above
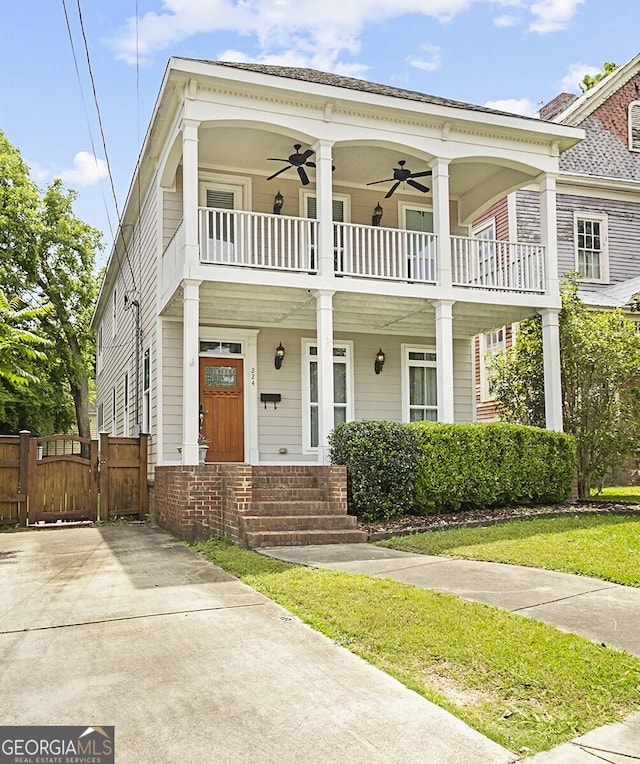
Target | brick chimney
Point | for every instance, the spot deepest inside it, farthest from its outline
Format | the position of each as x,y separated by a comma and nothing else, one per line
556,105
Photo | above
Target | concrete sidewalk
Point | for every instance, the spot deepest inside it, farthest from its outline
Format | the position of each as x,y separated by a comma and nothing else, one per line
125,626
604,612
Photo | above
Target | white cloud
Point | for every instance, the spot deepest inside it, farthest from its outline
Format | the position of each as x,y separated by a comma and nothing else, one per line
521,106
552,15
570,83
87,170
506,20
309,32
428,59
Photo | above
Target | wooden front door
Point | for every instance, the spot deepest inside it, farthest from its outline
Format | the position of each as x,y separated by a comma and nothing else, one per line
222,408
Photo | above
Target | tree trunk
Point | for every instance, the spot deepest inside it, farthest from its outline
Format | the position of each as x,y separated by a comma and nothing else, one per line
80,394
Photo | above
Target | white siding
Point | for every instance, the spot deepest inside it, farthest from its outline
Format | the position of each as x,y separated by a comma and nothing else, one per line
172,389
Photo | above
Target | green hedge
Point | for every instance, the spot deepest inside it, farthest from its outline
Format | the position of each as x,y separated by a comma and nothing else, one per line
464,466
382,460
426,467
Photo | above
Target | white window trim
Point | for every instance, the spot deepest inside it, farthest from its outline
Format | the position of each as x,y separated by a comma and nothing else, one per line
489,223
405,350
344,198
99,347
404,206
114,311
485,394
146,393
604,244
113,412
126,403
307,343
239,186
632,105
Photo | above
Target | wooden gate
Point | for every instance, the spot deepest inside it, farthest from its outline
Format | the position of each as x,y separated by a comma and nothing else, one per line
65,478
62,479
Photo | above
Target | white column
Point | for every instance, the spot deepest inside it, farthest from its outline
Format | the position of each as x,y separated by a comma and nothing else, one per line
549,231
441,224
324,207
444,359
189,129
190,371
552,372
324,341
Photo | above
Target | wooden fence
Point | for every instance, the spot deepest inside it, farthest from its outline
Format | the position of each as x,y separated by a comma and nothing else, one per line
63,477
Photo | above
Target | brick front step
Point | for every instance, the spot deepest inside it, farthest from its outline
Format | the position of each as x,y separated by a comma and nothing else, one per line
258,539
253,523
288,494
297,508
284,482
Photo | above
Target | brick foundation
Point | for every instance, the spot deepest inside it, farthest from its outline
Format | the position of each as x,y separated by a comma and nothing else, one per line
195,503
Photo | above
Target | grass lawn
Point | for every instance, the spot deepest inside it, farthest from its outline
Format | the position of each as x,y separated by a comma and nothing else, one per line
601,546
525,684
623,493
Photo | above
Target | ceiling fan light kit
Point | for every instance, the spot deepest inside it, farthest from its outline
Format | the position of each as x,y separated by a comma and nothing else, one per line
401,175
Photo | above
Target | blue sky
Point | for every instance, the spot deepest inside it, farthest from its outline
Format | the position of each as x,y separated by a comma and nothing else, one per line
512,54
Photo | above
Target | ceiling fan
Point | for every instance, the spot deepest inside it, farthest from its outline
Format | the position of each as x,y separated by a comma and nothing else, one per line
297,160
403,174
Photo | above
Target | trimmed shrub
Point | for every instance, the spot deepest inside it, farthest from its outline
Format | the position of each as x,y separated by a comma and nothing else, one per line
491,465
382,463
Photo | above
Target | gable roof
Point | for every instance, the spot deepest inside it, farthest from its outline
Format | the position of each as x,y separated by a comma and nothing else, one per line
588,102
353,83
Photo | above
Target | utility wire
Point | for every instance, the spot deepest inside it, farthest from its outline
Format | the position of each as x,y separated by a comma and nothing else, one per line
104,141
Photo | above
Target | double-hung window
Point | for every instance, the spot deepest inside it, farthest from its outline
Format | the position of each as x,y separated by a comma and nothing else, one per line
590,232
487,265
419,384
342,389
492,344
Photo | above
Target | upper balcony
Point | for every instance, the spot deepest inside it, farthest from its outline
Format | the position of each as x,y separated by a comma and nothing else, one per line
241,239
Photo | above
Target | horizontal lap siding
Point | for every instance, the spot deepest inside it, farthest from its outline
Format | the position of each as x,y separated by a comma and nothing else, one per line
500,212
172,390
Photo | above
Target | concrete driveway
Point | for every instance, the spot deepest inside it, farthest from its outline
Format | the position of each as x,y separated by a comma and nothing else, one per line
125,626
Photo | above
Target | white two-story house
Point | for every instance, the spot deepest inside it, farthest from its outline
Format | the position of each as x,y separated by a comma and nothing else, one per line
296,251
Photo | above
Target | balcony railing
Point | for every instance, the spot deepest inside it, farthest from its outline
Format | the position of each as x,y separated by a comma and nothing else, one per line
258,240
500,265
172,259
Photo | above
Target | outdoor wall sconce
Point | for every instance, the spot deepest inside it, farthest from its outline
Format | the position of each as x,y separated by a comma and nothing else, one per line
380,359
280,353
278,201
377,215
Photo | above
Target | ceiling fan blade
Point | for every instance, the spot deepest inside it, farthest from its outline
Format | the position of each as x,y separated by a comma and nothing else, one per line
386,180
393,188
310,164
276,159
306,154
303,176
275,174
421,174
419,186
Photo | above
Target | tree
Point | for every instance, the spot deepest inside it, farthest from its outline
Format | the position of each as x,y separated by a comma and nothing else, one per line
47,256
18,344
588,81
600,361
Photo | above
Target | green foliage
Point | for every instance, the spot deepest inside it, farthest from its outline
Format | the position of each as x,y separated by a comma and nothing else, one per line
382,459
588,81
47,257
491,465
600,359
19,345
424,467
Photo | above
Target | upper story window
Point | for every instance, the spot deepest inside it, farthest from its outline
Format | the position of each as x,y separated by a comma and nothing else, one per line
590,236
492,344
634,126
99,347
485,233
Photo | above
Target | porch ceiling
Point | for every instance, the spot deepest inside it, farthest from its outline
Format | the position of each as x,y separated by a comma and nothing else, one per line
237,305
243,149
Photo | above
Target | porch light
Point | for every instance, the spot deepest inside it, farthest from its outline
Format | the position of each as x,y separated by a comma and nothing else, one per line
377,216
278,201
280,353
380,359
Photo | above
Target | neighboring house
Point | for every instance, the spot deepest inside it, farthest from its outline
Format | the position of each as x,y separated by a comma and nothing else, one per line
277,289
598,207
